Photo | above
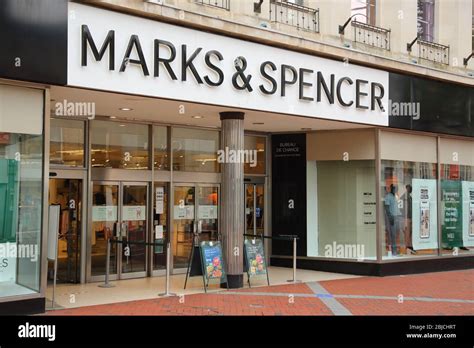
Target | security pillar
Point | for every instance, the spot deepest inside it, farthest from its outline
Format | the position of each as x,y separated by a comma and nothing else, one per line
232,197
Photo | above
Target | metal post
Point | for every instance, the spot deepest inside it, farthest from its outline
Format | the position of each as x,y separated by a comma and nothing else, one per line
294,263
168,263
107,267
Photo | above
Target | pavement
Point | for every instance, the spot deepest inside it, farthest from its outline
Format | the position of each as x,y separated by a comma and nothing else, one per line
440,293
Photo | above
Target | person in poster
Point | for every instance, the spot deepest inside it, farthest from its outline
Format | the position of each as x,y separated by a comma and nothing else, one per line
408,203
394,218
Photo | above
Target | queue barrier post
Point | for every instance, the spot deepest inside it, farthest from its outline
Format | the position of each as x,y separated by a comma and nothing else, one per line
168,263
107,267
294,280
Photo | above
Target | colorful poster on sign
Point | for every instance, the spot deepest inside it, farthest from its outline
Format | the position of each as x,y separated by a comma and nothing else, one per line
424,206
451,223
255,257
468,213
212,260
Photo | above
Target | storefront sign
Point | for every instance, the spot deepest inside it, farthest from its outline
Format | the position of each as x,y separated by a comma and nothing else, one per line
424,212
468,213
134,213
207,212
212,260
255,257
159,199
104,213
122,53
451,231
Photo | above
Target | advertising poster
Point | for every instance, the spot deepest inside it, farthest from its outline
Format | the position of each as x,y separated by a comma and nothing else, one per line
183,212
424,207
451,223
468,213
159,199
212,260
255,257
104,213
207,212
134,213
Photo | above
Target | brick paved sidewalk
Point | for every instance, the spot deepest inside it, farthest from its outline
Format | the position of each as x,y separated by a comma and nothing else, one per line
443,293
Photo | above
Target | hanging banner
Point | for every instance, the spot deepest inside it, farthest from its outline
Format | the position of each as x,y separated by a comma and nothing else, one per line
255,257
159,199
212,260
468,213
424,214
451,223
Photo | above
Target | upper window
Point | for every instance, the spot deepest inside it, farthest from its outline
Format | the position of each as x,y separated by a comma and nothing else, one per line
67,142
363,11
255,145
425,19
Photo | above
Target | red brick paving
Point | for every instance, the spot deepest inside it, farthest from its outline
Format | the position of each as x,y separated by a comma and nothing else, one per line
453,285
457,285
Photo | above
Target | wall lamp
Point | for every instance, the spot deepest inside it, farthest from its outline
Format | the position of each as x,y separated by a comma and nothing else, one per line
410,45
465,60
257,6
343,27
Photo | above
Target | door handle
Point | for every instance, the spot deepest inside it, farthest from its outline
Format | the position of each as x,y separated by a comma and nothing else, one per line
124,229
117,229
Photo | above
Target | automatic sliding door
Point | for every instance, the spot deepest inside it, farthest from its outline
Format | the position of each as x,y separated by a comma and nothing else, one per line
183,224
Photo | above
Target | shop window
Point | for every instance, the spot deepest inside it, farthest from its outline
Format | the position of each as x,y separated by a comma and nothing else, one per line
195,150
457,209
66,143
255,146
160,139
346,209
425,19
21,189
119,145
409,204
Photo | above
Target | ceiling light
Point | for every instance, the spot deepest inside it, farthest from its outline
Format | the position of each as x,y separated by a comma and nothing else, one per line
112,117
122,125
197,116
125,109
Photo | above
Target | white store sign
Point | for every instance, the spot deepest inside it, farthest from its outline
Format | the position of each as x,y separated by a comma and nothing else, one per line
116,52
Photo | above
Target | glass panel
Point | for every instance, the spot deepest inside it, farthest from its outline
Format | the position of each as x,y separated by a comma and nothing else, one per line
195,150
21,187
104,223
67,143
119,145
346,209
457,209
183,224
67,193
249,207
208,198
257,146
160,138
134,228
409,201
260,203
160,222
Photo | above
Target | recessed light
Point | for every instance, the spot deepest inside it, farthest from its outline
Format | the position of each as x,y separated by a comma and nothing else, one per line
122,125
197,116
125,109
258,123
112,117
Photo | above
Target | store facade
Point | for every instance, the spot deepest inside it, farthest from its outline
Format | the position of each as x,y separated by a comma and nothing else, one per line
129,133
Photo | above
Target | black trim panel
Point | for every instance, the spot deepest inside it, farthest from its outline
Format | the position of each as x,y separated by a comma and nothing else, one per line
23,307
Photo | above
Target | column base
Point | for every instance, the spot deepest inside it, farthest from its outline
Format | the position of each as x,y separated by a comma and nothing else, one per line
235,281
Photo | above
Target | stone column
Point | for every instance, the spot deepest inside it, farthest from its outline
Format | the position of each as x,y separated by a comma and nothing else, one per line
232,198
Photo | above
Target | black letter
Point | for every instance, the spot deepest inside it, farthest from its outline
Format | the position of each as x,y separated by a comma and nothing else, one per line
109,40
165,61
185,64
304,84
322,83
268,77
377,98
285,82
338,89
214,67
359,94
134,41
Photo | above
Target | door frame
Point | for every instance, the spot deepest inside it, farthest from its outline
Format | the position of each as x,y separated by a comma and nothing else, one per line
77,174
195,223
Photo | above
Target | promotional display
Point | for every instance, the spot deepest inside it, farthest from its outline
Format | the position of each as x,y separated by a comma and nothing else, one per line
468,213
451,231
424,208
254,256
212,261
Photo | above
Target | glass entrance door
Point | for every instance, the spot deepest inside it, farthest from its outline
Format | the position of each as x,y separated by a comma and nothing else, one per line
68,194
254,209
195,212
119,211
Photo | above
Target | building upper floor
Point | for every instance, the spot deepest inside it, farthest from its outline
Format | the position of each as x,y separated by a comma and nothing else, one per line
426,37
